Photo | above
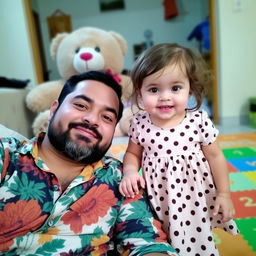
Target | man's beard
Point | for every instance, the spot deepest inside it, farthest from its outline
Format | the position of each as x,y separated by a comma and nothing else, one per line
82,154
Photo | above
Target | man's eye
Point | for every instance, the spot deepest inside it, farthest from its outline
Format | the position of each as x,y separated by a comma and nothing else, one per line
108,118
153,90
80,106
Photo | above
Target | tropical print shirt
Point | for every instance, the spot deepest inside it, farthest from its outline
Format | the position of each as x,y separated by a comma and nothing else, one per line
89,218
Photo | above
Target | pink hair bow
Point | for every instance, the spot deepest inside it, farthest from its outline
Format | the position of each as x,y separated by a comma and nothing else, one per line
115,76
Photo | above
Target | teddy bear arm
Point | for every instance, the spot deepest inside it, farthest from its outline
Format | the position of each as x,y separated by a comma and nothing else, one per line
127,88
41,122
41,97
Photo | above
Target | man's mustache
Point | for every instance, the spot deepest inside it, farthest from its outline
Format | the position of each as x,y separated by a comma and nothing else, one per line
86,126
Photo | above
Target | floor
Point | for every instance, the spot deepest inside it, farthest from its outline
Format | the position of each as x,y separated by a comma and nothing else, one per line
235,129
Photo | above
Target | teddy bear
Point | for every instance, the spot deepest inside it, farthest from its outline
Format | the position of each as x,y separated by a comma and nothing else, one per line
84,49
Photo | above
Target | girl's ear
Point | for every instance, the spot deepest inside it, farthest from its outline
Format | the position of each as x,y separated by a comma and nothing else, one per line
138,93
140,101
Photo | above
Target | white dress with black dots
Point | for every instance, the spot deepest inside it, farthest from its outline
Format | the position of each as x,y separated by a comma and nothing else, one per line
179,181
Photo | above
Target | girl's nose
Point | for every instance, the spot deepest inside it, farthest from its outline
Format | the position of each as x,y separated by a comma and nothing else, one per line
165,95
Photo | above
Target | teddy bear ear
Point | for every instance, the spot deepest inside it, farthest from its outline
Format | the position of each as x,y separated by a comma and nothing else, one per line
121,41
55,44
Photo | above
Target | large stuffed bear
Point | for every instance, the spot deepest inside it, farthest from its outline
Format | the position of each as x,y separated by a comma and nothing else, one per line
85,49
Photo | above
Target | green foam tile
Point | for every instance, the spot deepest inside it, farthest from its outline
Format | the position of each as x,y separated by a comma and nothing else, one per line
253,149
247,229
239,152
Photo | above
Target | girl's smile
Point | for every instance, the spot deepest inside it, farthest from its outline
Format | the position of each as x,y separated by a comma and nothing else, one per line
165,107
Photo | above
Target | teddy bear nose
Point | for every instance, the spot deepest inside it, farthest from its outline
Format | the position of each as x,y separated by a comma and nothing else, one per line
86,56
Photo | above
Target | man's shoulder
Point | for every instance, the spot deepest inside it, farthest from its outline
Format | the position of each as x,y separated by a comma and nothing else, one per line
111,161
10,142
12,145
113,166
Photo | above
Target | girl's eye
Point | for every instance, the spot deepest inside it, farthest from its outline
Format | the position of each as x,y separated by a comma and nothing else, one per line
153,90
176,88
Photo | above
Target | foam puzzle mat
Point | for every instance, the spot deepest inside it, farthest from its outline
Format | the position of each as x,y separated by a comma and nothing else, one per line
240,153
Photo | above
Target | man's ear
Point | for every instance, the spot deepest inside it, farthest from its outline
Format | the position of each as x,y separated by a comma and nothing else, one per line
53,108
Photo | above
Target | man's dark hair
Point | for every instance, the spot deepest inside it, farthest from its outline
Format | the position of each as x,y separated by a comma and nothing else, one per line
99,76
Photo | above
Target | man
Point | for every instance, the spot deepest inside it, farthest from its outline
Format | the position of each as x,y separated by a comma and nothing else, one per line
59,193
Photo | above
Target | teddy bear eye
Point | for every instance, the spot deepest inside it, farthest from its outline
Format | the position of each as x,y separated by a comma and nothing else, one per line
77,50
97,49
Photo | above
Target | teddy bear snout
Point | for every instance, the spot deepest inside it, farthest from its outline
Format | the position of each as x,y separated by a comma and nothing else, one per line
86,56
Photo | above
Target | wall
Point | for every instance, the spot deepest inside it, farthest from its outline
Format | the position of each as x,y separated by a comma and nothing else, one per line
236,37
130,22
237,55
16,60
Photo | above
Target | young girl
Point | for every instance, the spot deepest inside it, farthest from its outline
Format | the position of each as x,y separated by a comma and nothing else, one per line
184,169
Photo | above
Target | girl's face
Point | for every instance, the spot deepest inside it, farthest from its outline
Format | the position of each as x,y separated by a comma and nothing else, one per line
164,95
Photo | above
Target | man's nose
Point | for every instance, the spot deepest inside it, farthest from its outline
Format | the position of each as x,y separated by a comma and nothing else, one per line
91,117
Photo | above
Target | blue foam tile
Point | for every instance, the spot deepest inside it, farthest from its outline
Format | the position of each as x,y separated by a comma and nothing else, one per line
244,164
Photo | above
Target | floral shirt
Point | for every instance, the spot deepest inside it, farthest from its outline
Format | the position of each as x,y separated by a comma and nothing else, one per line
89,218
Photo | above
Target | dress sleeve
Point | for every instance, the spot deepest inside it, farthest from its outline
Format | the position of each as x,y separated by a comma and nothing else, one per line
133,129
209,132
137,232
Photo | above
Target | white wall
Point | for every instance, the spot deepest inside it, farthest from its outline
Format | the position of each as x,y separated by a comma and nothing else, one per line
237,58
16,60
236,36
131,22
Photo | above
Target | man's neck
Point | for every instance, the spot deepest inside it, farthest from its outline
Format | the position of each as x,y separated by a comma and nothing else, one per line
65,169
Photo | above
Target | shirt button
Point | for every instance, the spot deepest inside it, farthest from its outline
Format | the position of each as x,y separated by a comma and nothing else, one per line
55,187
50,223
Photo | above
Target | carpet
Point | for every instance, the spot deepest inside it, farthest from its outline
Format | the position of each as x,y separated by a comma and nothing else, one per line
240,153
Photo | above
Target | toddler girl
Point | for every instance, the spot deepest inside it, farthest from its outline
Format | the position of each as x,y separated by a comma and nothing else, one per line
184,169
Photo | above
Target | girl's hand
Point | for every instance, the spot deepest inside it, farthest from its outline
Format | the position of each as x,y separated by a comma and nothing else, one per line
224,204
129,184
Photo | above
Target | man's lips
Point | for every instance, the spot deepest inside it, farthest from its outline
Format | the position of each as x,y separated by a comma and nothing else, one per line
86,129
87,132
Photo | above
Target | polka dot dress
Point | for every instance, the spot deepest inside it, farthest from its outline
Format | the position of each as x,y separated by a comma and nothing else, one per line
179,182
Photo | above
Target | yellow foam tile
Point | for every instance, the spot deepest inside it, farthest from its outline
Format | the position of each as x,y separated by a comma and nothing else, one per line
251,175
232,245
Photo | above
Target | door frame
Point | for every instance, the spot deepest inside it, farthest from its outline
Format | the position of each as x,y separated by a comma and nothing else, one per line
214,63
34,42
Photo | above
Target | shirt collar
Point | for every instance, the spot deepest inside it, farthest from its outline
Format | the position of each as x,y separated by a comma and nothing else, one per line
32,148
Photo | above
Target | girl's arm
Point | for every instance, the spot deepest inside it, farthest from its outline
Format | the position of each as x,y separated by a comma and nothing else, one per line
219,171
132,163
